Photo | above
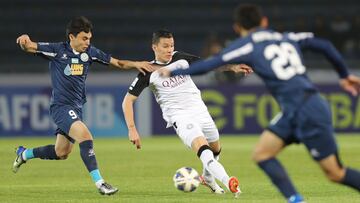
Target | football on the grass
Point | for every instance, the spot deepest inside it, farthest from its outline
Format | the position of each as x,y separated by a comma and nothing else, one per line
186,179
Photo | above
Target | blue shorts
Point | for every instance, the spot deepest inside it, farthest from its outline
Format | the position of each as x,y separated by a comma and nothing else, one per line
64,116
309,124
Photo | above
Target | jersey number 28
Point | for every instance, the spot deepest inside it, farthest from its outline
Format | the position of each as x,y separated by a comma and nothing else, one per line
285,61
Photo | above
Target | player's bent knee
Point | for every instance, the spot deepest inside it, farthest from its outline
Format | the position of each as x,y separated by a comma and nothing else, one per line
86,136
63,157
260,154
80,132
335,175
255,157
217,153
62,154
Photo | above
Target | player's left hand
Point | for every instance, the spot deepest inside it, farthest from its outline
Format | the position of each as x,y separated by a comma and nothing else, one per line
134,138
351,84
164,72
241,68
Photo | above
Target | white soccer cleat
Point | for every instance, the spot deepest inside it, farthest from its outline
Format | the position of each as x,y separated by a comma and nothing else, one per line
213,186
106,189
19,159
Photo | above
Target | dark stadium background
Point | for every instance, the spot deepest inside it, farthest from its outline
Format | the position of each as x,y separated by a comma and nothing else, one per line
124,27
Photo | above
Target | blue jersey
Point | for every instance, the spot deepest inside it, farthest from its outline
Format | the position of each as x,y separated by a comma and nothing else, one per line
69,70
277,59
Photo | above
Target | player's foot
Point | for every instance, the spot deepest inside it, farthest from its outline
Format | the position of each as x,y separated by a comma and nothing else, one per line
106,189
234,186
213,186
296,199
19,159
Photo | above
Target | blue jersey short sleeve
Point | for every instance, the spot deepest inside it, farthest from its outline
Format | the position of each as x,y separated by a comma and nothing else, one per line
99,56
48,50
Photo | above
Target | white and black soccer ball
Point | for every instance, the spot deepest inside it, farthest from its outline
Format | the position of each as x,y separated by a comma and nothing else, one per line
186,179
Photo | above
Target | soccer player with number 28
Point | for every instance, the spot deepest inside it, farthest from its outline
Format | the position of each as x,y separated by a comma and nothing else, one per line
305,116
69,64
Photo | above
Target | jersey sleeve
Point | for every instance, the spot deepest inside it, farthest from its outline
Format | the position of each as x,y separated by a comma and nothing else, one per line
48,50
99,56
307,41
139,84
188,57
238,52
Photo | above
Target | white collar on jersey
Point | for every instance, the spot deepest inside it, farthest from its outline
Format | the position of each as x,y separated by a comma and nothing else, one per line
162,63
75,52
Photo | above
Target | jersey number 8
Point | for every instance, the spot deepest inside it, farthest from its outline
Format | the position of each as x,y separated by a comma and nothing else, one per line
285,61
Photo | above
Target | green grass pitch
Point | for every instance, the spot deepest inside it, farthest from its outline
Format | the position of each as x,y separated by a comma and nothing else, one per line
146,175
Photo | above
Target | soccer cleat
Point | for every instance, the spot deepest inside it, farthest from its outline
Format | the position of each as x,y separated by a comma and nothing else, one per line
19,159
213,186
296,199
234,186
107,189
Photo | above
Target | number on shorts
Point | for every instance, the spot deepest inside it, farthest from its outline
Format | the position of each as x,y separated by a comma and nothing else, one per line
72,114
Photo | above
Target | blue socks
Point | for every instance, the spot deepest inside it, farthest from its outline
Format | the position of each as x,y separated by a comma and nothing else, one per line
28,154
278,176
352,179
45,152
95,175
88,156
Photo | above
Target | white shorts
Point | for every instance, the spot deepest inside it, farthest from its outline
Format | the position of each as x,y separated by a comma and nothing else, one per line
188,127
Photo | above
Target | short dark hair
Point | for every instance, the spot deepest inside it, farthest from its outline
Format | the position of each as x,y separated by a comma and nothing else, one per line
163,33
77,25
248,16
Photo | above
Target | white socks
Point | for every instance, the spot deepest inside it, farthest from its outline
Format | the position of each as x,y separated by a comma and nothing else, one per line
214,167
208,177
99,183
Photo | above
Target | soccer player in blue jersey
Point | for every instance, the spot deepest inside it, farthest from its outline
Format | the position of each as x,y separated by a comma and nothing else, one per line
69,63
305,116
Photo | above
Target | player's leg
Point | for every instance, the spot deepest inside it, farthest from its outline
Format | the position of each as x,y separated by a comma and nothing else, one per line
82,135
216,148
265,154
321,143
206,155
49,152
322,147
189,130
337,173
63,146
212,136
207,177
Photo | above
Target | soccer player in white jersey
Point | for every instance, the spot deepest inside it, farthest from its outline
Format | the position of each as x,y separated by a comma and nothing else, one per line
183,109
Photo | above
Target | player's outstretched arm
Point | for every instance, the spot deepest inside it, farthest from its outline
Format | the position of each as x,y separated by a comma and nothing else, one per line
128,110
351,84
329,51
201,67
141,66
26,44
237,68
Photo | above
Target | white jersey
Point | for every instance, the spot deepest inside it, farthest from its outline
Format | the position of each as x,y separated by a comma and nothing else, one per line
176,95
